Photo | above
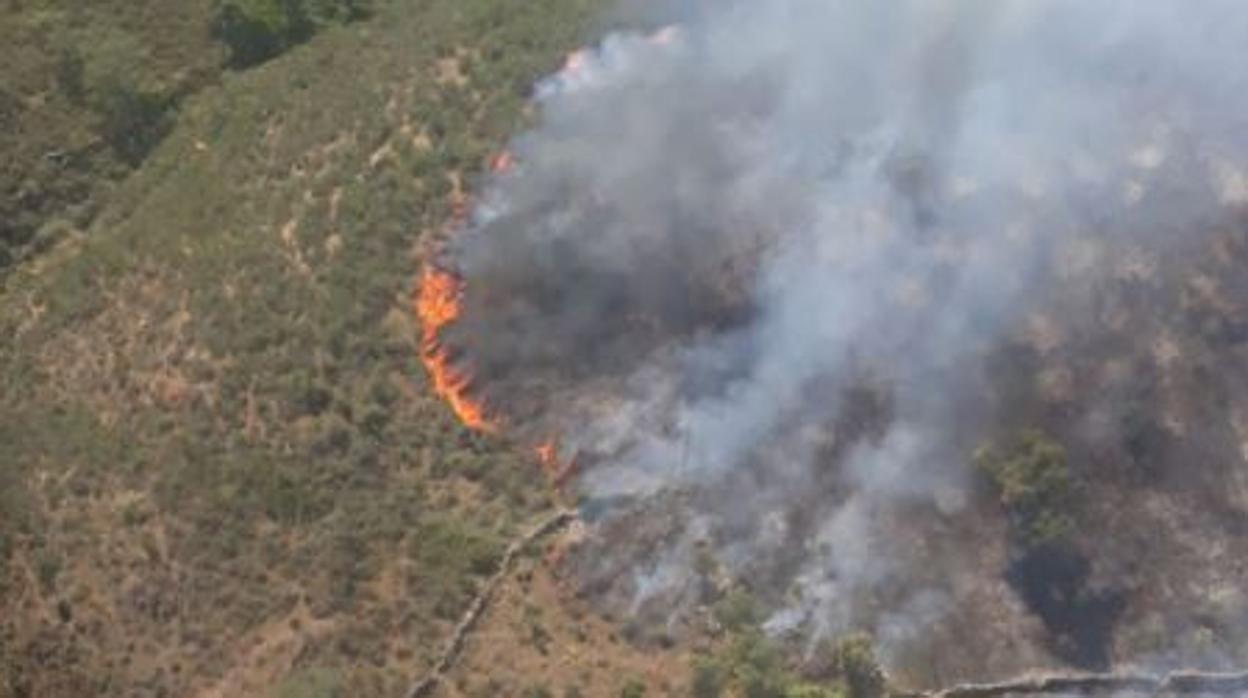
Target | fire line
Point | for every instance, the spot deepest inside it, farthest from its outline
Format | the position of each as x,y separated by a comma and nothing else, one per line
437,307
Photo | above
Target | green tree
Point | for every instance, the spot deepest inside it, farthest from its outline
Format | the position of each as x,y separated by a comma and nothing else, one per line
811,690
737,610
709,678
855,664
257,30
132,120
1034,484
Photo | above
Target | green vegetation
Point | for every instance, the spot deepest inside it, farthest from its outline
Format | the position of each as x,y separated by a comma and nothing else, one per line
311,683
132,120
738,610
852,661
87,91
751,665
633,688
90,89
1035,486
209,388
257,30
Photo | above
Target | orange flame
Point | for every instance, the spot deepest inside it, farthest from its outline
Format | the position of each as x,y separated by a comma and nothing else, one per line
502,162
437,307
558,467
548,455
575,61
664,36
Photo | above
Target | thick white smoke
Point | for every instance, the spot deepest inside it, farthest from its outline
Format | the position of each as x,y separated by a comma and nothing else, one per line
752,271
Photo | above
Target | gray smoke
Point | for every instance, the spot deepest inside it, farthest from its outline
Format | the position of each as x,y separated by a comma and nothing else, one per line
754,272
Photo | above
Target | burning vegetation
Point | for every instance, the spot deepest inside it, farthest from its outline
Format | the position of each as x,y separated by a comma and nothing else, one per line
437,307
935,345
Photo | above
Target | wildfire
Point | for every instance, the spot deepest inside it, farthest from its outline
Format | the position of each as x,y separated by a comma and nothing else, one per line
575,61
437,306
665,36
502,162
548,455
557,467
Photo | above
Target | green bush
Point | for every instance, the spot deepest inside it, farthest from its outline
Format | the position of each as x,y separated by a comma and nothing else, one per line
753,666
257,30
132,120
737,610
709,679
1034,484
855,665
758,666
311,683
810,690
71,75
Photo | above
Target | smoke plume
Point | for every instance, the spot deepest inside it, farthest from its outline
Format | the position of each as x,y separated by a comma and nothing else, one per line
771,274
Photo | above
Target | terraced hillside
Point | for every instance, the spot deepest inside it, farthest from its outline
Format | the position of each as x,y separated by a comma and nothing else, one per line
223,474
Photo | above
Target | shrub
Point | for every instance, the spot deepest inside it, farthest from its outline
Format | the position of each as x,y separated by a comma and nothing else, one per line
71,75
132,119
758,666
1034,484
810,690
48,568
257,30
709,678
633,688
753,666
311,683
10,105
737,610
854,662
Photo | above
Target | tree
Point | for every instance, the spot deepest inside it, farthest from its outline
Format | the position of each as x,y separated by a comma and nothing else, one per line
855,664
709,678
132,120
257,30
1034,484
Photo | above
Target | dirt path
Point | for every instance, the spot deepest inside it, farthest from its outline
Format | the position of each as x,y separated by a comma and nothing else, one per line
455,645
1180,683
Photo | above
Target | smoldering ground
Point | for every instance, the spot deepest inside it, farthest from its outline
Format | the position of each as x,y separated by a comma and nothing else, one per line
773,275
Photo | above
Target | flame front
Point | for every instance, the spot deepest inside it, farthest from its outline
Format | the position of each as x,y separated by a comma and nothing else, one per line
558,466
503,162
576,61
548,455
437,307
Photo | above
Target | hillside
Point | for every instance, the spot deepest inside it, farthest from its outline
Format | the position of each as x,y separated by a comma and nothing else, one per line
87,91
478,348
223,472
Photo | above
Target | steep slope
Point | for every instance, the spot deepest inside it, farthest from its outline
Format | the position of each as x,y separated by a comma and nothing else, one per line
223,473
87,90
